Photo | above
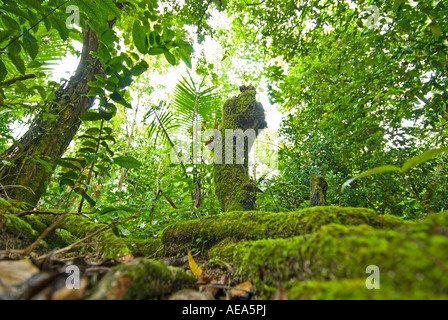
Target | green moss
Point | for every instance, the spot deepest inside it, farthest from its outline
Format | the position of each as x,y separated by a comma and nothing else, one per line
58,238
252,225
149,247
15,233
79,226
142,279
351,289
234,189
334,252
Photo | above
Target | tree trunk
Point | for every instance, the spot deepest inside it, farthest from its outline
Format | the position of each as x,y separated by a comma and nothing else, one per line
48,138
318,191
234,189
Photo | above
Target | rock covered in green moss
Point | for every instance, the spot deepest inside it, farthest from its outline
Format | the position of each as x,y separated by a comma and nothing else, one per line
252,225
15,233
142,279
352,289
144,247
58,238
79,226
412,263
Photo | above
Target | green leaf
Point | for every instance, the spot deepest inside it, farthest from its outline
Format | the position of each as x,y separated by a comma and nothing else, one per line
127,162
92,131
435,29
139,68
111,7
185,56
381,169
65,164
167,35
425,156
31,48
88,198
87,150
94,91
17,62
47,165
140,39
155,51
70,175
118,208
103,53
3,71
170,57
27,35
91,116
68,182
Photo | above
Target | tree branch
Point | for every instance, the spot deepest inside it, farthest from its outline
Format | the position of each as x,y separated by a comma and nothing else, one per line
14,80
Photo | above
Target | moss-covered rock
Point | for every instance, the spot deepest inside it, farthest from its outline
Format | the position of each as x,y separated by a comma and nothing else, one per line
412,263
252,225
58,238
351,289
149,247
142,279
15,233
79,226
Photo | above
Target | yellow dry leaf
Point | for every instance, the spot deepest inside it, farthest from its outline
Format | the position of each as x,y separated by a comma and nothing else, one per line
193,265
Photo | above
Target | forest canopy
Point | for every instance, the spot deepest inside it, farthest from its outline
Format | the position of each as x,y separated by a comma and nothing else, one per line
109,108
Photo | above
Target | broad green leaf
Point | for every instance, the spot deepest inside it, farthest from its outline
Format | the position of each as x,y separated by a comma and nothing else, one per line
92,131
425,156
27,35
111,7
127,162
170,57
66,164
91,116
140,39
67,182
139,68
10,23
47,165
381,169
31,48
88,198
3,71
155,51
87,150
17,62
70,175
95,91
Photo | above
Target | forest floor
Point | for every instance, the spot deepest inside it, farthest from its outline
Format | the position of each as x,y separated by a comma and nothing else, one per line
316,253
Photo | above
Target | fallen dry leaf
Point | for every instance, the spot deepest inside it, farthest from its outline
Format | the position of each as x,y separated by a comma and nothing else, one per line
194,266
16,272
65,293
243,291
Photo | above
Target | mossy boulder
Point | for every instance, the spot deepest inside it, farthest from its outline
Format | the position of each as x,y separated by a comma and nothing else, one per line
79,226
252,225
142,279
15,233
412,263
144,247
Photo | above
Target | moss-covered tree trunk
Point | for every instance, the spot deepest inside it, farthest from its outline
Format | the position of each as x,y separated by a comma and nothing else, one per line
318,191
234,189
51,132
